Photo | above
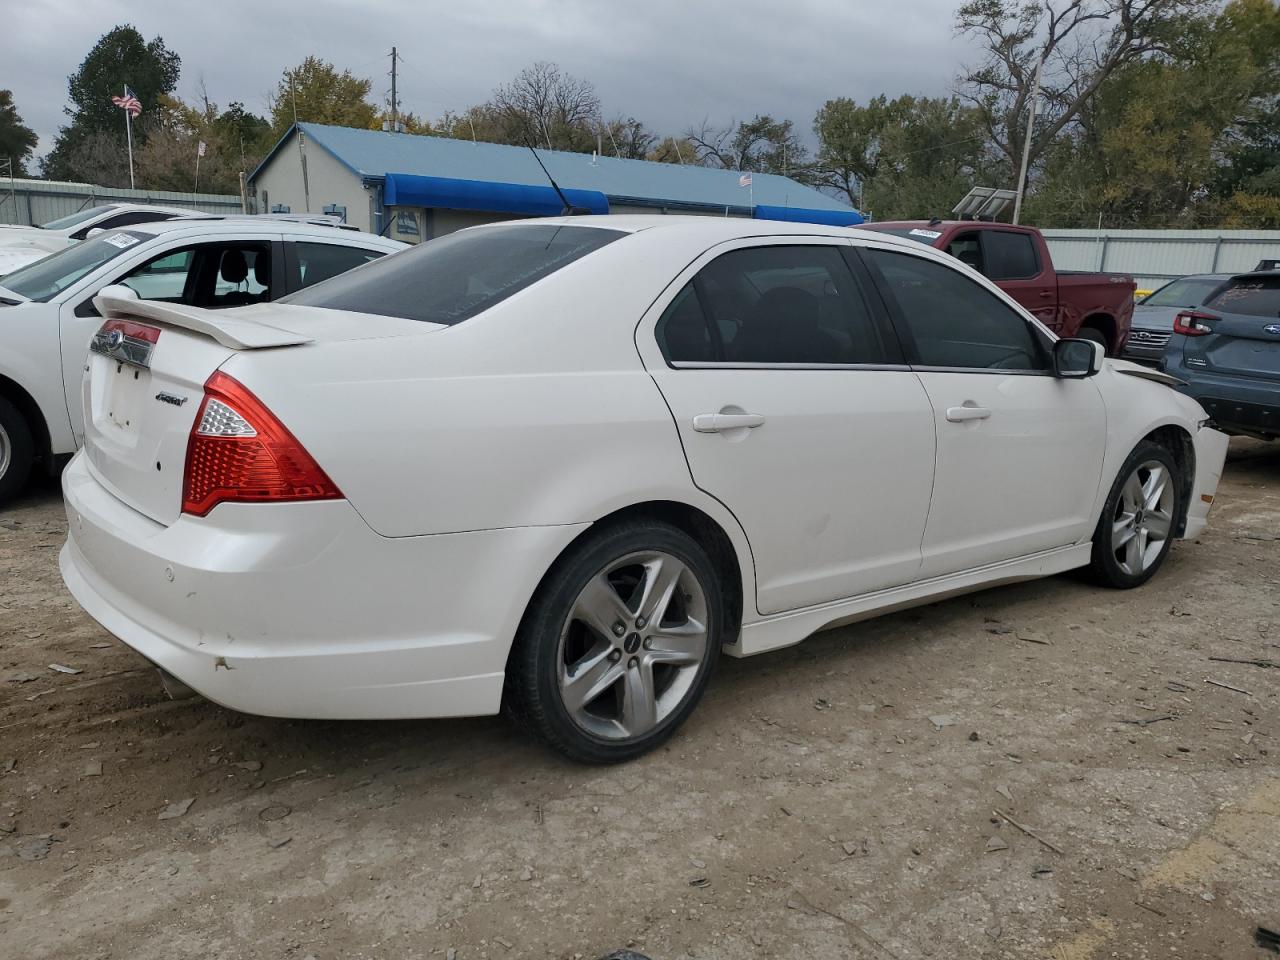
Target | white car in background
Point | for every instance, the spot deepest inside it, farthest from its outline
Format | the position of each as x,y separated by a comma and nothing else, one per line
47,315
561,464
20,245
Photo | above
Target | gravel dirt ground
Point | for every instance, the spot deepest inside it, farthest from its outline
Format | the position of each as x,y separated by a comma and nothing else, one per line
1037,771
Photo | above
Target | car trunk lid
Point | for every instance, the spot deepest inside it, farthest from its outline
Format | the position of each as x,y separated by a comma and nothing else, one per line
146,372
1245,330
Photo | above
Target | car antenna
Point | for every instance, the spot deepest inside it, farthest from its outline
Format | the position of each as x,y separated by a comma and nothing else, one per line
569,210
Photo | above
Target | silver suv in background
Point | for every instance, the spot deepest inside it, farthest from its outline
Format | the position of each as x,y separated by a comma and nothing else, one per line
1153,315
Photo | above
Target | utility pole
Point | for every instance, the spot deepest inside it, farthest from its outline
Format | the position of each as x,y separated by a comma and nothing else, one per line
395,106
1026,143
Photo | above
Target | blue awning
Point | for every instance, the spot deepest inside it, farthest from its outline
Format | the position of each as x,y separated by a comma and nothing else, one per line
448,193
829,218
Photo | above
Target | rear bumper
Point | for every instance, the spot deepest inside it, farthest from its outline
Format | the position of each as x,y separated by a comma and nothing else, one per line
1211,454
1236,404
300,610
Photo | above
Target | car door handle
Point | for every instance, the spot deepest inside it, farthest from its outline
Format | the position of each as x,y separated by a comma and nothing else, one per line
1046,294
719,422
961,414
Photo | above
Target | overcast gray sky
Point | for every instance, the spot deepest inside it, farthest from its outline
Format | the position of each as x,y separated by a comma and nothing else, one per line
668,63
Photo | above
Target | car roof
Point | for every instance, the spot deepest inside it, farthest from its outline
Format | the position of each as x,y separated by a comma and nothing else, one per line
249,224
715,229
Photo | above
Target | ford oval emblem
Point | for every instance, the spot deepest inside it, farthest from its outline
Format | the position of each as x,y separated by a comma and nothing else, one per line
1273,329
114,339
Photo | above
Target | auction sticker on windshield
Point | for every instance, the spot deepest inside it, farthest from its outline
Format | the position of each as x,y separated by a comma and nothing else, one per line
120,240
931,234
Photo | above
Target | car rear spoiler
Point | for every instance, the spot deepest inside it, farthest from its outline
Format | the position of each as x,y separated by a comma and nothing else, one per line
238,333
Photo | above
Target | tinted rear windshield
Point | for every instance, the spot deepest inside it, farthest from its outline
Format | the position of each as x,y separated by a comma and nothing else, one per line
452,278
1185,292
1251,296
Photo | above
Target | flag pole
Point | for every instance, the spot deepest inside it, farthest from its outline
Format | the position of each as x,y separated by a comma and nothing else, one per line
128,132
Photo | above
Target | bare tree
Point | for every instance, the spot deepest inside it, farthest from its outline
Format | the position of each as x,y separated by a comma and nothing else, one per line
628,138
545,106
761,144
1079,42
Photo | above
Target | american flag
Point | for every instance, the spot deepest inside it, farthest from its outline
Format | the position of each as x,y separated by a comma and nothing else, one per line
128,102
744,180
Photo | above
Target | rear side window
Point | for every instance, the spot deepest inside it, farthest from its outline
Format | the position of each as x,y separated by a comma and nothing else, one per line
1008,255
320,261
455,277
772,305
1251,296
953,321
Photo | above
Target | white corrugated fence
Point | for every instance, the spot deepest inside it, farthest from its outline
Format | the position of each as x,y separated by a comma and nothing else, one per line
1155,257
31,202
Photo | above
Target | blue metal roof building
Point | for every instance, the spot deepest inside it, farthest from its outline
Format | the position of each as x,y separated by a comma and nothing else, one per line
416,187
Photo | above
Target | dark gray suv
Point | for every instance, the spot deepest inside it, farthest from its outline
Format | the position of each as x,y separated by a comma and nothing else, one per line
1228,352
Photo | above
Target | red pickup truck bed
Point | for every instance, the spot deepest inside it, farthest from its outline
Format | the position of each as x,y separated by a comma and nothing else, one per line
1098,306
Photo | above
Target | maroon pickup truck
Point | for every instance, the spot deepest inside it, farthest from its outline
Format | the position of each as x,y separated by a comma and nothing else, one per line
1097,306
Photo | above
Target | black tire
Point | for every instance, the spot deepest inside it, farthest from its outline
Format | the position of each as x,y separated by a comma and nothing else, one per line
1097,336
1105,567
533,696
17,451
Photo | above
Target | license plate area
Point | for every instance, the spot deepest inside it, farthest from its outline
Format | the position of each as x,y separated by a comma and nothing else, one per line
119,403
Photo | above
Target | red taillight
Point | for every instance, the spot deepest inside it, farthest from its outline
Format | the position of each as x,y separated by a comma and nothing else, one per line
1191,324
239,451
135,331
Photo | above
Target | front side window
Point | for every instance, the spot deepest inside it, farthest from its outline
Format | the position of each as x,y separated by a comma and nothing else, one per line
320,261
455,277
953,321
967,248
772,305
1007,255
164,278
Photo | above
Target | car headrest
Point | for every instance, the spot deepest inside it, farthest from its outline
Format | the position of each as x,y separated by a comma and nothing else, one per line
234,266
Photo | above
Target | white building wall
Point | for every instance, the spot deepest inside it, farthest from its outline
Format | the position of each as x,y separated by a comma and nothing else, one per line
329,181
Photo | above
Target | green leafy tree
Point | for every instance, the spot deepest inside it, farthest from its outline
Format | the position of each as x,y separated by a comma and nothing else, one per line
235,140
83,148
316,92
673,150
1081,43
1172,140
851,141
17,140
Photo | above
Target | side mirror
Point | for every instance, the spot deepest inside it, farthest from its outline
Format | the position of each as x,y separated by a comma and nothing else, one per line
116,291
93,232
1075,359
120,291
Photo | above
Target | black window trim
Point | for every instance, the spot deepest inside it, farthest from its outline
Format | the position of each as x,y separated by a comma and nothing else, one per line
895,358
909,348
1035,254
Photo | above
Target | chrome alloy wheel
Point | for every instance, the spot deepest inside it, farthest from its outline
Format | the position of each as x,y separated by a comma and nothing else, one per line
1143,521
632,644
6,450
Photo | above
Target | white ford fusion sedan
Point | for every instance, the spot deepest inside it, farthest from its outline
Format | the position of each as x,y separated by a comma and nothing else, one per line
560,465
